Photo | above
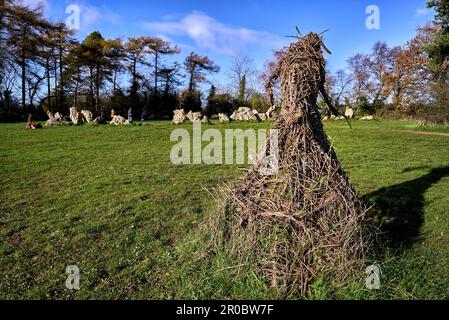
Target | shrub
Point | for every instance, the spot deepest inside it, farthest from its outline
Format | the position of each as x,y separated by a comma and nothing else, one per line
191,100
220,103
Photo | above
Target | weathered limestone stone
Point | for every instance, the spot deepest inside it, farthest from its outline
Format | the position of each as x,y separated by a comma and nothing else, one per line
205,120
55,120
50,119
349,113
270,112
58,117
119,120
194,116
74,115
88,116
223,117
179,116
98,120
244,114
262,116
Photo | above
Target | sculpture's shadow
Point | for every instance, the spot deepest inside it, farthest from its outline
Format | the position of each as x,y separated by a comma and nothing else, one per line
399,209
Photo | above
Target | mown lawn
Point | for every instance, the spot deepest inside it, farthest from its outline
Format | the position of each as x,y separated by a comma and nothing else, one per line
108,200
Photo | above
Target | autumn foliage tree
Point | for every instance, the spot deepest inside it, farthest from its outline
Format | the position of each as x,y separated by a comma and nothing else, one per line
409,80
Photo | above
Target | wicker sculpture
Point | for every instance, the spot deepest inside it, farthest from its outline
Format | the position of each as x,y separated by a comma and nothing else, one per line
307,219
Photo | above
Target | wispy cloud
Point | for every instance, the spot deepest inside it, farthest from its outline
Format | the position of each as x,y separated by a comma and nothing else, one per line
209,33
423,12
94,16
91,15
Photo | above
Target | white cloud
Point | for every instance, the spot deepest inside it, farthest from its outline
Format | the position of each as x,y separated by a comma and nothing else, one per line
422,12
209,33
91,15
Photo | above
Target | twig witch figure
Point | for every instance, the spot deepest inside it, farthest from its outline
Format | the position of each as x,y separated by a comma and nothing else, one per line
306,219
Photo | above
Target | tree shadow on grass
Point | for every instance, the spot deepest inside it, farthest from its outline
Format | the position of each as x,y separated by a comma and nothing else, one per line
399,209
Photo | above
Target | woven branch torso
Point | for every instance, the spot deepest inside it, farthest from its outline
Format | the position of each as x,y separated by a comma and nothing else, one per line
302,73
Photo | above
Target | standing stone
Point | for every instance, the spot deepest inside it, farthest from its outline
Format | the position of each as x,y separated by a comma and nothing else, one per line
205,120
349,113
244,114
194,116
119,120
74,115
87,115
51,117
262,116
55,120
179,116
58,117
98,120
222,117
270,112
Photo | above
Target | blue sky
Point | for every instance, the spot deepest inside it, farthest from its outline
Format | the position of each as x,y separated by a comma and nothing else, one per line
222,29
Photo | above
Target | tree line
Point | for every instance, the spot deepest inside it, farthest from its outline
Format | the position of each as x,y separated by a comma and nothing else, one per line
408,80
44,68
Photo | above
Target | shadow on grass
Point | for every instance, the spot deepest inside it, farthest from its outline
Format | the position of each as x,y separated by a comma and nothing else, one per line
399,209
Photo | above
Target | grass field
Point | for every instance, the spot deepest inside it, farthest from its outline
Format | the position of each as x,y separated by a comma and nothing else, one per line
108,200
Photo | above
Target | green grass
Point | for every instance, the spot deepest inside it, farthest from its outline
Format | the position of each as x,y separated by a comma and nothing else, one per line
109,200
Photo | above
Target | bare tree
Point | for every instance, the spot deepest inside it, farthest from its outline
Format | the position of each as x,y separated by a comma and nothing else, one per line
242,76
359,74
342,82
270,83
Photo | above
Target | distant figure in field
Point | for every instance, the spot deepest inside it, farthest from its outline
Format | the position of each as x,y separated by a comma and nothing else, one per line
31,124
145,114
113,113
130,114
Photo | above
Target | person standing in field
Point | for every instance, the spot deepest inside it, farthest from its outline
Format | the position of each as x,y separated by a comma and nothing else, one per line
130,114
145,114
